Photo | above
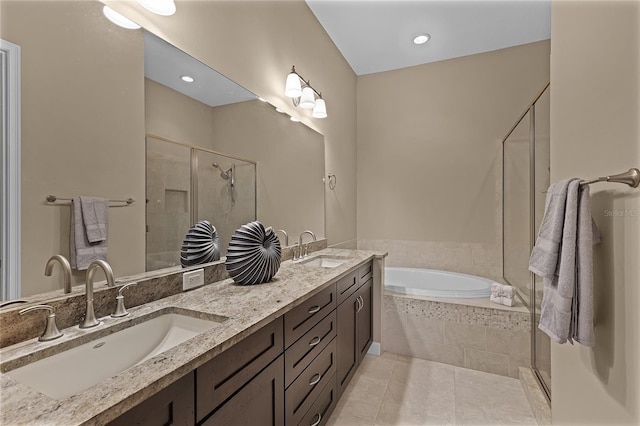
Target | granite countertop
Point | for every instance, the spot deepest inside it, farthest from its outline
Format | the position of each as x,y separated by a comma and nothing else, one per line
247,308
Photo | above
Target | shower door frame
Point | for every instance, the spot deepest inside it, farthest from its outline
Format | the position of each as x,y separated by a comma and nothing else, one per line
531,109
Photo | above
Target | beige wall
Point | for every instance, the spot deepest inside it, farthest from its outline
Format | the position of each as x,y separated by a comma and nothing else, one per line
290,164
255,43
595,130
429,159
71,144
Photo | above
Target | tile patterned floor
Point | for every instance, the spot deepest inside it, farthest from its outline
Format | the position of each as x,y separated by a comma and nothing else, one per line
398,390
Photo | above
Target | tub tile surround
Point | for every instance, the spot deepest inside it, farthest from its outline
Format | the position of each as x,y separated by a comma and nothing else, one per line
493,339
481,259
70,308
247,308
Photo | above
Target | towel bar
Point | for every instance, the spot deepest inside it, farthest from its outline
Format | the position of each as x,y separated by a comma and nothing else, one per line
53,199
631,177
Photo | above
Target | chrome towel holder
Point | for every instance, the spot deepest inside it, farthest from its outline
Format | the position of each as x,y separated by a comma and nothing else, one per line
53,199
631,177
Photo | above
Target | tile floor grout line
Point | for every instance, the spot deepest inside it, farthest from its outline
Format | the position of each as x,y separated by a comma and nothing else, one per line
386,389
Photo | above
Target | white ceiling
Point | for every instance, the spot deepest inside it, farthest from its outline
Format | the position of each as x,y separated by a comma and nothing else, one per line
165,64
376,35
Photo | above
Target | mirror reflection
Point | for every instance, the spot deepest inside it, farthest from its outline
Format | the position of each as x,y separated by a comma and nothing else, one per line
88,117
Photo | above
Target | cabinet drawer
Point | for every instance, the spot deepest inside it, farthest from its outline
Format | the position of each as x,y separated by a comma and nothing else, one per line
305,389
303,317
365,273
298,356
322,408
226,373
345,286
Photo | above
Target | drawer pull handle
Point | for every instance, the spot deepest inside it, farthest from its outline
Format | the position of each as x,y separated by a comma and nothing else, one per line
315,341
314,309
315,382
317,422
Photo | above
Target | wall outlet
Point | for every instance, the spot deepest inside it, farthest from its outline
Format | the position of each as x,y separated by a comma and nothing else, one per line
192,279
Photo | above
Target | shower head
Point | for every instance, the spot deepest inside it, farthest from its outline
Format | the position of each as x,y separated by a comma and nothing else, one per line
224,175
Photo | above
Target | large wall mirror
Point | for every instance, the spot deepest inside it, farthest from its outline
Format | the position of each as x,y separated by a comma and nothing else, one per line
91,108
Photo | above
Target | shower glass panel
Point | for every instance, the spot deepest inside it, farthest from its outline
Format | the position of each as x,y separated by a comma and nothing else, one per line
516,204
168,183
525,180
226,193
542,343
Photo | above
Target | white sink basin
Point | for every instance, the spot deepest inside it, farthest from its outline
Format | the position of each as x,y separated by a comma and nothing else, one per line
325,261
74,370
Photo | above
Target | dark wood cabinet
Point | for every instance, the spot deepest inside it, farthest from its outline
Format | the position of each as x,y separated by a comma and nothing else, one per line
259,402
354,318
365,323
224,375
347,356
173,405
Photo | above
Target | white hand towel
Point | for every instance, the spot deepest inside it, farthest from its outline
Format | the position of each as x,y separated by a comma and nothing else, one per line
502,300
504,290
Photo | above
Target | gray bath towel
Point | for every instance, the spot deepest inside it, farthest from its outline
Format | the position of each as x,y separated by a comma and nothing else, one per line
544,256
83,252
557,297
582,307
567,301
95,214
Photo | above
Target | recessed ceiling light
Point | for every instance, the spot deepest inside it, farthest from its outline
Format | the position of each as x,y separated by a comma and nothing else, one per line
118,19
421,39
280,110
187,78
159,7
295,120
261,99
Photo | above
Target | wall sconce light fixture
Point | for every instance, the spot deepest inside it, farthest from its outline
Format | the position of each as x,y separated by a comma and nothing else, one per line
303,95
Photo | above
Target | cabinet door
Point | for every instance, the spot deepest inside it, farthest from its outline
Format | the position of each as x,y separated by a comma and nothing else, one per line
365,335
221,377
173,405
259,402
347,359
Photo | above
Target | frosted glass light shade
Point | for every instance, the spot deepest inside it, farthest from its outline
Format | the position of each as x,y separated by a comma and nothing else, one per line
320,110
159,7
292,88
118,19
308,99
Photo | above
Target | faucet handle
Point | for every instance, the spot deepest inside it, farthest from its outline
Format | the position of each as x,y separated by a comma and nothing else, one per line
121,311
51,331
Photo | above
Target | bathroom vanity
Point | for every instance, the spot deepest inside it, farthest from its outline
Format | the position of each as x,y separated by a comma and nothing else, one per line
282,353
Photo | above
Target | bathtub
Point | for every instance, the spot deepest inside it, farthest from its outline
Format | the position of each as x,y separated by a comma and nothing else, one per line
434,283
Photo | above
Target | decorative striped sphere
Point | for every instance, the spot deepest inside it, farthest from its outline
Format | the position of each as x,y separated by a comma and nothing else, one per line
254,254
200,245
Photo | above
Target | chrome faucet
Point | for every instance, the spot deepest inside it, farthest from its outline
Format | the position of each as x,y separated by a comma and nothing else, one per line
300,242
286,237
66,270
51,331
90,316
121,311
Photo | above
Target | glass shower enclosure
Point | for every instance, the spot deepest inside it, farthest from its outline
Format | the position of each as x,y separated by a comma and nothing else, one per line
187,184
525,179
